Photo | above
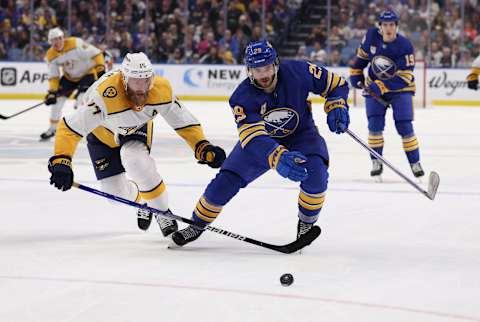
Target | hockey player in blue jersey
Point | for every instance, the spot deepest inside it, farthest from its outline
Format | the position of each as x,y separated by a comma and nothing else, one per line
277,131
390,76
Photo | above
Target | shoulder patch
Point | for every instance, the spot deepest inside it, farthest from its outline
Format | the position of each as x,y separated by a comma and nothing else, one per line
110,92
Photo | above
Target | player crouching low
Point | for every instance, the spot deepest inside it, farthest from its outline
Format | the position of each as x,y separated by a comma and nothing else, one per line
276,131
116,118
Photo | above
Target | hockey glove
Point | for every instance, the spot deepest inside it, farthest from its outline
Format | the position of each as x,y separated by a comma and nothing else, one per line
377,87
51,98
289,164
209,154
60,166
355,79
337,114
473,84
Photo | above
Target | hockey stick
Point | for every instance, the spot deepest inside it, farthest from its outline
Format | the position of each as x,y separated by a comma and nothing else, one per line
433,180
298,244
375,96
3,117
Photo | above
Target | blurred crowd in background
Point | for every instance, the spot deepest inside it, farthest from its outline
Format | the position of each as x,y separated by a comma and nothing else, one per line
444,33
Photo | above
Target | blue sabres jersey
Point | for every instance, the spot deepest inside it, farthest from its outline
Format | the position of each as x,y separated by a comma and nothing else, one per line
391,63
265,120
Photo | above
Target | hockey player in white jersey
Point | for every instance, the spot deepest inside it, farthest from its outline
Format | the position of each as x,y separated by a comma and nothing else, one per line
116,118
72,65
472,78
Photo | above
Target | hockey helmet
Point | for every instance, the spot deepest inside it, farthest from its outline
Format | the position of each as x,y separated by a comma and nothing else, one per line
54,33
388,16
136,65
260,53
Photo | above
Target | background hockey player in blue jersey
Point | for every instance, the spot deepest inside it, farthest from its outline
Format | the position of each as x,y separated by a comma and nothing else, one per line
390,76
276,131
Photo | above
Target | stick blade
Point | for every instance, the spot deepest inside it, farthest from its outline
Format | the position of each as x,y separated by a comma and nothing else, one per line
433,183
3,117
302,242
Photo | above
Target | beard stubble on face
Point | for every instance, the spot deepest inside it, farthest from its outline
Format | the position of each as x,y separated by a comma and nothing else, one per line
138,98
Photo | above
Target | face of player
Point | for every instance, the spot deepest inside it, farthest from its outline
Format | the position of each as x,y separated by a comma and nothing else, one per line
137,90
57,43
389,31
264,76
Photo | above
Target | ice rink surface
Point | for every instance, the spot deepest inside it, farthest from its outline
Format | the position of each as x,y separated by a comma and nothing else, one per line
386,252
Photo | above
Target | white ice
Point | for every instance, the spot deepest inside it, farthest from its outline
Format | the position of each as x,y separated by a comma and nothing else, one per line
386,252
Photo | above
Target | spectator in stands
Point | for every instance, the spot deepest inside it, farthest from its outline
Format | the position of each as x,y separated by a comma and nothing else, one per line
318,55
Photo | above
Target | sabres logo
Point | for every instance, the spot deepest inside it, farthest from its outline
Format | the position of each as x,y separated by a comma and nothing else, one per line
281,122
110,92
383,67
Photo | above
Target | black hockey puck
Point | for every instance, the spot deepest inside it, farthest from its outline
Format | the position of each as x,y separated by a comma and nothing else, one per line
286,279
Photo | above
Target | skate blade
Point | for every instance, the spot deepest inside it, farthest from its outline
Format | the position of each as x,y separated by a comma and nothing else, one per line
172,245
377,179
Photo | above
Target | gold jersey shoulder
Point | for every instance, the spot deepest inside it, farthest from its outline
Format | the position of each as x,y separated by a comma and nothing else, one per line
115,98
69,44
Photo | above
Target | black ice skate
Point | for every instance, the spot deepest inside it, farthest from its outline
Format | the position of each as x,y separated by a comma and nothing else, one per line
417,169
167,225
303,228
186,235
45,136
144,218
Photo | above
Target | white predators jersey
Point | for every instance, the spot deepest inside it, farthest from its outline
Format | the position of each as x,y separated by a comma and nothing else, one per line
75,59
106,104
107,112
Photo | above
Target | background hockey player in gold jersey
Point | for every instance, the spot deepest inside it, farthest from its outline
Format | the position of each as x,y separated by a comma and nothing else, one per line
72,65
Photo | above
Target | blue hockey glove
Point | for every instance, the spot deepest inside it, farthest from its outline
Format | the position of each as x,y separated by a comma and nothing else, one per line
377,87
60,166
355,79
338,118
290,165
209,154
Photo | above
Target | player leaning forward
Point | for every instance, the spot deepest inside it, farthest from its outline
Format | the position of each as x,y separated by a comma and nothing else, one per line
390,76
72,64
116,117
276,131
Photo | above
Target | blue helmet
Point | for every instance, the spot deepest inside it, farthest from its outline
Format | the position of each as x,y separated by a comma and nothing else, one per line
260,53
387,16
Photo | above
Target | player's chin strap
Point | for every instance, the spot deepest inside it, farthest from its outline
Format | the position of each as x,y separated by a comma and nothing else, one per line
293,247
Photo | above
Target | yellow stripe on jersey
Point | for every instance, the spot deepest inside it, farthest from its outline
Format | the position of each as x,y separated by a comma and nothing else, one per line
410,143
274,157
153,193
328,83
149,133
99,64
355,71
192,134
472,77
66,139
361,53
105,136
53,84
375,141
247,132
311,201
206,211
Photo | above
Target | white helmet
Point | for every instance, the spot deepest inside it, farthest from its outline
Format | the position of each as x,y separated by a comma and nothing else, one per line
136,65
54,33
